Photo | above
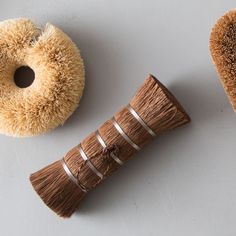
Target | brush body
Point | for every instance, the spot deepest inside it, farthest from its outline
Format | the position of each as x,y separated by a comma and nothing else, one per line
58,84
223,51
107,149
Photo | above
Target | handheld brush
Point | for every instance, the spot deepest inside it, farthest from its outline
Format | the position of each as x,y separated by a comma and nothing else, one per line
152,111
223,52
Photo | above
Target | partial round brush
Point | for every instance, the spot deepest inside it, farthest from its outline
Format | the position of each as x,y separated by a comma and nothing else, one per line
153,110
223,51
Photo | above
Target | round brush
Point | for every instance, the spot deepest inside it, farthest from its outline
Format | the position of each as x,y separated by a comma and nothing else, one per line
152,111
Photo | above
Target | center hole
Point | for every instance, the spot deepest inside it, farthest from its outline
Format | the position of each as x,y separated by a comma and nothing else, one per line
24,76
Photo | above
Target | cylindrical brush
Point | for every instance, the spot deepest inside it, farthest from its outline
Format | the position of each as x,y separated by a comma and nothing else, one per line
153,110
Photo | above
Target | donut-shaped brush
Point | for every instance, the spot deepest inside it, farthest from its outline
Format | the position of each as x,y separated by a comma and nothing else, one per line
58,77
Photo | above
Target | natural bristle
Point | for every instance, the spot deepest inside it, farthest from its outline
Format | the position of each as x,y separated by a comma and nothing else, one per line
223,51
115,142
58,84
56,189
158,106
185,117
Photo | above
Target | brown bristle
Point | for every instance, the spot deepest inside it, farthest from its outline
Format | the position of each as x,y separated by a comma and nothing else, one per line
157,108
56,189
223,51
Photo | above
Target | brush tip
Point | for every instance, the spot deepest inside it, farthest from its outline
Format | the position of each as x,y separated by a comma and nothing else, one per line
172,98
56,189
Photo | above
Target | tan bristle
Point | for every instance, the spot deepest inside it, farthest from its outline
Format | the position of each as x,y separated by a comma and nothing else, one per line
223,51
156,107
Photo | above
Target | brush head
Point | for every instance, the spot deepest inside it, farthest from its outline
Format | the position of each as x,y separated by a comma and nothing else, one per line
223,52
158,107
56,189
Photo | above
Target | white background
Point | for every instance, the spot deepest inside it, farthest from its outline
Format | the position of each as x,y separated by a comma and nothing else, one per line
184,183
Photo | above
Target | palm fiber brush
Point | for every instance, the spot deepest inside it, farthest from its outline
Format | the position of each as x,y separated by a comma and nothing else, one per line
223,52
152,111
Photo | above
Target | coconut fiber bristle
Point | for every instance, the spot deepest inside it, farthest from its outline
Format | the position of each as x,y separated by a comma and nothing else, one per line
56,189
152,111
223,51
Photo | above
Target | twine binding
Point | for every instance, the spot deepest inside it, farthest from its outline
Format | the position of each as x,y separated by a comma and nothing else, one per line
112,155
103,144
72,177
89,163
